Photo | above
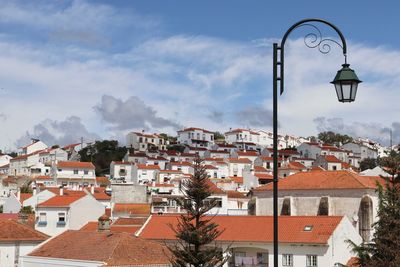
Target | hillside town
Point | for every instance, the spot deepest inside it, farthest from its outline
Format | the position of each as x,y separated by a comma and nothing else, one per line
57,210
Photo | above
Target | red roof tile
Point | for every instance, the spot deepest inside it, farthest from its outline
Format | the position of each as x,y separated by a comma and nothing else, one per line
60,201
242,160
332,159
325,180
237,179
235,194
148,167
75,164
254,228
112,248
11,230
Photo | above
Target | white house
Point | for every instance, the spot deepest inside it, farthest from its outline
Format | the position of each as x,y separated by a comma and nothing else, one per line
27,165
236,166
196,137
35,146
145,173
305,241
122,172
328,162
67,212
51,155
361,150
242,136
17,239
144,142
74,174
4,159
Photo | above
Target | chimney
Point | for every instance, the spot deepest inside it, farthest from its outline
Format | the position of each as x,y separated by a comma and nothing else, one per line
103,223
61,191
92,190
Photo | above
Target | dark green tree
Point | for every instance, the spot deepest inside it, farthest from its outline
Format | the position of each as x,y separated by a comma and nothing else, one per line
195,231
27,210
386,240
101,153
219,136
177,148
332,138
368,163
26,188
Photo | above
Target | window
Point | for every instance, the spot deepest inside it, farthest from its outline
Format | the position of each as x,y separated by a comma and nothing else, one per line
287,259
334,168
60,170
262,258
42,219
311,261
85,172
75,171
61,219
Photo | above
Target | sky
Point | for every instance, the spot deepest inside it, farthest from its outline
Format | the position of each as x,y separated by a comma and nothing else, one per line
99,69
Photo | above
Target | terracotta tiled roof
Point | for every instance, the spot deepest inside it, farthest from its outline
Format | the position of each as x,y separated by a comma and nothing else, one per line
263,176
170,171
75,164
100,194
332,159
317,168
132,208
90,226
254,228
102,180
11,230
234,194
43,177
325,180
148,167
183,163
214,189
242,160
293,165
6,216
114,249
248,153
353,262
237,179
210,167
131,229
70,146
60,201
194,129
130,221
260,169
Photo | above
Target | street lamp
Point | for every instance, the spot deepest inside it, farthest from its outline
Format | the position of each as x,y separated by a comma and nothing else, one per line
345,81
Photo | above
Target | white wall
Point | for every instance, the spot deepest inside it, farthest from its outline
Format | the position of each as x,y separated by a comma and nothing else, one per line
7,252
31,261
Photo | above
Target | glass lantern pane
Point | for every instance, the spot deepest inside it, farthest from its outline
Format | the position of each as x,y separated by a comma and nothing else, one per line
338,88
346,89
354,91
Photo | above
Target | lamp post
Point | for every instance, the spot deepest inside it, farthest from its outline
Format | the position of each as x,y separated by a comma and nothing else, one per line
345,81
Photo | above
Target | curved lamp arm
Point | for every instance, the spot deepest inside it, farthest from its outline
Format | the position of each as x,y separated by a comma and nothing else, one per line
318,41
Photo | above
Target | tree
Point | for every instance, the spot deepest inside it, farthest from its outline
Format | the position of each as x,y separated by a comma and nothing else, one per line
219,136
196,231
368,163
26,188
101,153
332,138
386,240
27,210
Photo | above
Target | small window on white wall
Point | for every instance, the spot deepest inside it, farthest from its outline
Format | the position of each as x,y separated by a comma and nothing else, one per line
287,259
311,261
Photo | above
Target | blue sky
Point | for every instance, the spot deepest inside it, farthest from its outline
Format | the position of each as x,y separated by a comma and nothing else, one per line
99,69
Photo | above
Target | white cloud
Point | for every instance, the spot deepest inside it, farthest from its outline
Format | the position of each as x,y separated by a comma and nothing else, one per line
182,79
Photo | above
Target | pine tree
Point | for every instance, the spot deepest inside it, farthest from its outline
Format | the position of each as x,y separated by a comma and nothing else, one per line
196,232
386,241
